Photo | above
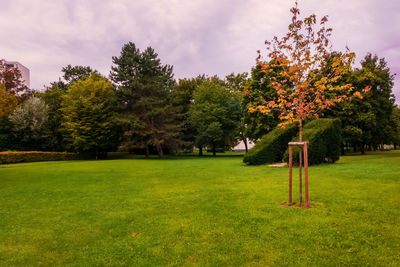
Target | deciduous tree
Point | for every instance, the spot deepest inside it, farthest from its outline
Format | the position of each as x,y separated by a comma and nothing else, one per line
88,110
215,114
29,124
301,55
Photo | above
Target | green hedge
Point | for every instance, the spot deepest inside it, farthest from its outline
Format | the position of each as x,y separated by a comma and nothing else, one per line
31,156
324,137
271,147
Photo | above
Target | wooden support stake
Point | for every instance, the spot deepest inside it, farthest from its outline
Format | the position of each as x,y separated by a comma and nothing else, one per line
306,173
290,173
300,175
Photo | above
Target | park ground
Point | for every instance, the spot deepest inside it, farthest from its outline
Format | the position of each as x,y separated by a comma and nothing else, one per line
199,211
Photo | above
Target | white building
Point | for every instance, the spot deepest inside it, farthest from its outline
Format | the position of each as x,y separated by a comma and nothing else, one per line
4,64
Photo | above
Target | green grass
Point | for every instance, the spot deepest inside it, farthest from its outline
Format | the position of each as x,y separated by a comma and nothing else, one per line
205,211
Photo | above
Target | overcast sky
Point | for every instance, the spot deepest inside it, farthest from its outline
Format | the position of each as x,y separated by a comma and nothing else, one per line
196,36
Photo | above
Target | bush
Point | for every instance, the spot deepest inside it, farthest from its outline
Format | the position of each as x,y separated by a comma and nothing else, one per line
271,147
324,137
31,156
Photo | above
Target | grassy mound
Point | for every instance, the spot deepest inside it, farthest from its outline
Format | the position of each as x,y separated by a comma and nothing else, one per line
271,147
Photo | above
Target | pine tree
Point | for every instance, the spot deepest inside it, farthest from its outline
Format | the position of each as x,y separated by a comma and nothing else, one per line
144,87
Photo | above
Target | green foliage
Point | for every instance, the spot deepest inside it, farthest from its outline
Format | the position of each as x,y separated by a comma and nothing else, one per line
366,121
88,111
237,83
32,156
324,137
144,88
215,114
394,126
259,87
76,73
53,98
182,99
271,147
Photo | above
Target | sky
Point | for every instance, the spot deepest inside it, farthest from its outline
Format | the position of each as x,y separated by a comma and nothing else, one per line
195,37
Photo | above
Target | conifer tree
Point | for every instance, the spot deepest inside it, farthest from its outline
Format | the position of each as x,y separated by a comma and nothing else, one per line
144,87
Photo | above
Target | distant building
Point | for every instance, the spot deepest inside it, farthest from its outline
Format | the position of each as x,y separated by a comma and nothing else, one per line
4,64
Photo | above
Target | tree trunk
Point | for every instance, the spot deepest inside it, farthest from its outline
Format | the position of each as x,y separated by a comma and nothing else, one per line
200,151
395,146
160,151
300,130
147,151
342,149
245,144
213,148
355,148
362,149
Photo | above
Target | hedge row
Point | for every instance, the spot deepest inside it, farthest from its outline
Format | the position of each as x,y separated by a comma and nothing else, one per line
31,156
324,137
271,147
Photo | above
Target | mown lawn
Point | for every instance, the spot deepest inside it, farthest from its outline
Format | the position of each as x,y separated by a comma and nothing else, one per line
203,211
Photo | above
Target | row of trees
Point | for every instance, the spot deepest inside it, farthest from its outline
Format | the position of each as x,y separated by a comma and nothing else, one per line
142,109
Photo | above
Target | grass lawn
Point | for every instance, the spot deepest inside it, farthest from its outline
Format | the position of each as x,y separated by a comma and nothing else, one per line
204,211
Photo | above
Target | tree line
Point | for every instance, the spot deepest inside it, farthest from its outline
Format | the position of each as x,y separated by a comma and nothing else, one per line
141,108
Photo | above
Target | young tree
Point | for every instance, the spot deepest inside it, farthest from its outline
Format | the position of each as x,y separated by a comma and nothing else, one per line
304,87
144,88
88,111
301,55
215,114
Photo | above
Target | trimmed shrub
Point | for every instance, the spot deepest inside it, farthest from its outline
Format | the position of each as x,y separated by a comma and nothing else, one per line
32,156
271,147
324,137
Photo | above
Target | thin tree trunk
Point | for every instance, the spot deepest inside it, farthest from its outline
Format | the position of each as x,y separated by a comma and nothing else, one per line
362,149
213,148
394,146
200,151
300,130
355,148
342,149
245,144
147,151
160,151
